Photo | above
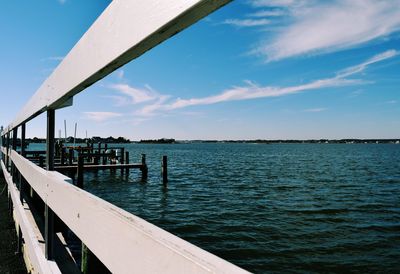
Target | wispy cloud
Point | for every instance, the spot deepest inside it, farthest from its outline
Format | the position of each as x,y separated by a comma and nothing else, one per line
356,93
247,22
326,26
315,109
279,3
391,102
62,1
253,91
101,116
120,74
133,95
267,13
360,67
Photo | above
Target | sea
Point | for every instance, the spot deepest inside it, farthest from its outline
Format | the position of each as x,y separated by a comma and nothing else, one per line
271,208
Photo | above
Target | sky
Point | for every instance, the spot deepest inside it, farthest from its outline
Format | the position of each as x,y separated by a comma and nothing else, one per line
254,69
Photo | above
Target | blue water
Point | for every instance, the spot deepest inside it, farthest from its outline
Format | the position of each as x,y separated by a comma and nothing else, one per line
272,208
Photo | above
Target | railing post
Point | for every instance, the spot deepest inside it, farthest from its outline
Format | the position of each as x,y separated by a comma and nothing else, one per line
8,150
23,132
14,147
14,140
49,214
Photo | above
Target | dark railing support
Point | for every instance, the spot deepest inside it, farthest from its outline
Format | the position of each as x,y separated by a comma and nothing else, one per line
14,147
8,151
23,133
49,214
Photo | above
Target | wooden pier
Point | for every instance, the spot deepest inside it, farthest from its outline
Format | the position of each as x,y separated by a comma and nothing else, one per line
48,207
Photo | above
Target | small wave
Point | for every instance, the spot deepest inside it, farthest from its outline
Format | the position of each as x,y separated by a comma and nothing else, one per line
320,211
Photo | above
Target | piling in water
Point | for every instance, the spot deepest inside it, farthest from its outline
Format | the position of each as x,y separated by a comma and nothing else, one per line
79,180
144,168
164,170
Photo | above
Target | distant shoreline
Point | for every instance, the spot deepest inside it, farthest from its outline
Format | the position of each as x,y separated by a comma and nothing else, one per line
122,140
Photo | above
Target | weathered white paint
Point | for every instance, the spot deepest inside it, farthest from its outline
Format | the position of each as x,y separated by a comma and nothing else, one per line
36,255
123,242
124,31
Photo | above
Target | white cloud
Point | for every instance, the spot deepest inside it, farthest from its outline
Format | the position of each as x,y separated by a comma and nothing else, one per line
267,13
278,3
391,102
315,109
247,22
150,110
120,74
62,1
252,90
360,67
133,95
326,26
101,116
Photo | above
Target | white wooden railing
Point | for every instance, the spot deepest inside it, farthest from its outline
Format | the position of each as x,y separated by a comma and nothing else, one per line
123,242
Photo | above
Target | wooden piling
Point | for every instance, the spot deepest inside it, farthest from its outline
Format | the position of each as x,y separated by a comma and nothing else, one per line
164,170
70,156
122,156
79,180
122,159
41,161
63,152
144,168
127,161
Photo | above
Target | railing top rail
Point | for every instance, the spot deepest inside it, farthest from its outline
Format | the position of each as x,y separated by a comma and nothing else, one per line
124,31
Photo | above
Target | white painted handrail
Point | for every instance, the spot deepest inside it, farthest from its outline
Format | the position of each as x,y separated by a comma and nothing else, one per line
124,31
123,242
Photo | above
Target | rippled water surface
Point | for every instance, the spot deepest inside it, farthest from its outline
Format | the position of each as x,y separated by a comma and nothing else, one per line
271,208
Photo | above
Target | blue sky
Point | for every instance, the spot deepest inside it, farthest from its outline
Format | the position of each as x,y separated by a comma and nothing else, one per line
269,69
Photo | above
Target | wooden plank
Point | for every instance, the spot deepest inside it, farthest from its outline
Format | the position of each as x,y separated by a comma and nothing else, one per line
36,254
123,242
124,31
98,167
